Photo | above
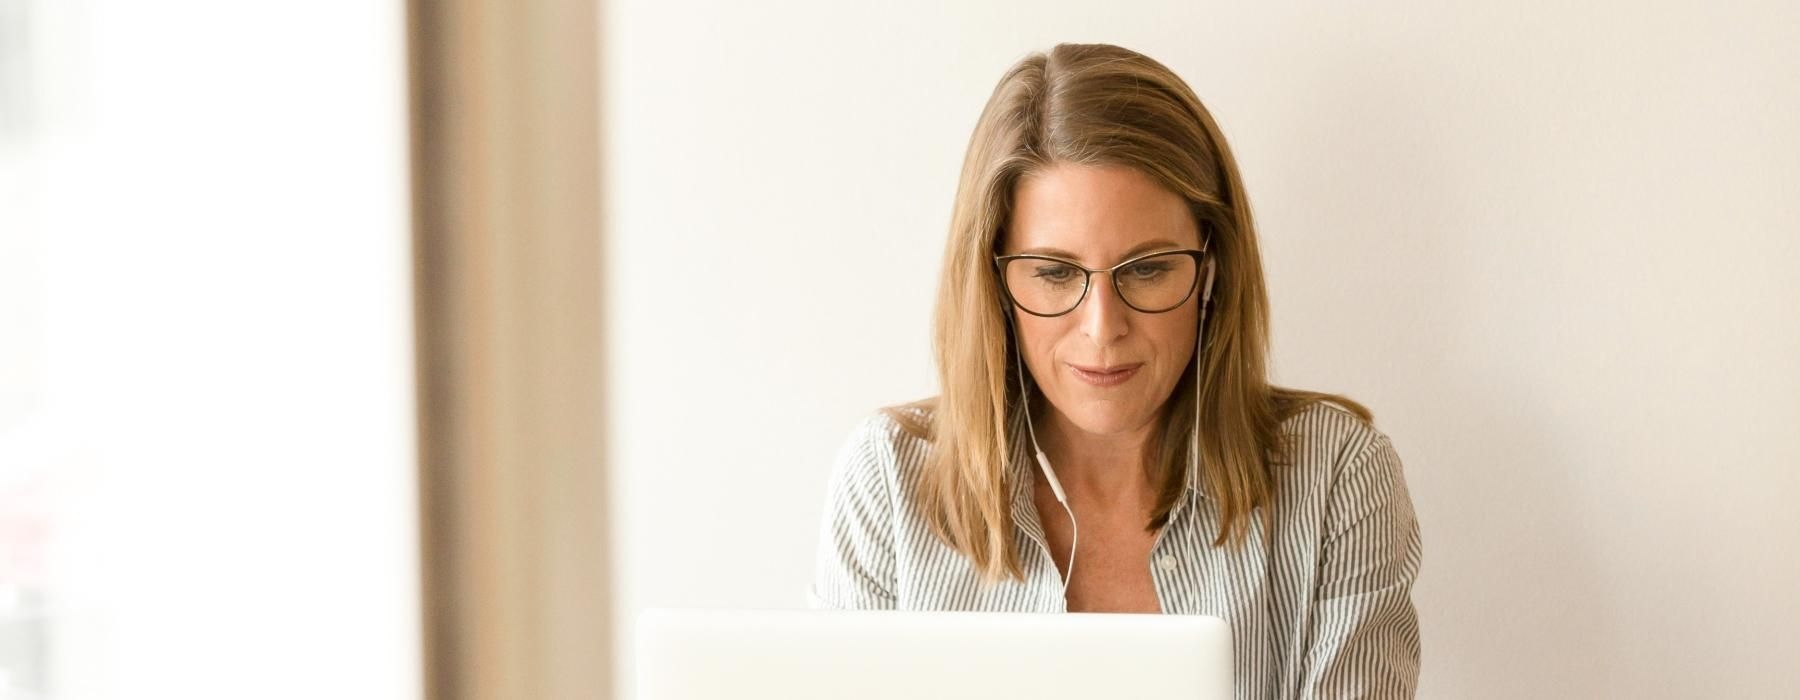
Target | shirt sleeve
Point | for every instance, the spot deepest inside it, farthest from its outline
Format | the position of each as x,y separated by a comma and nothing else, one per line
855,560
1365,631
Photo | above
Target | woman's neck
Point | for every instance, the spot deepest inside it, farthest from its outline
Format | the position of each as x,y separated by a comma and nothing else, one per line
1108,468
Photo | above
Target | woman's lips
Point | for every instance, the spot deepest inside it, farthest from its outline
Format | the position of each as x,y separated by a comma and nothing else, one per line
1099,377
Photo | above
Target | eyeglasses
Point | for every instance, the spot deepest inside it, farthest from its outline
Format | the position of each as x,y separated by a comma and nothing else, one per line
1151,283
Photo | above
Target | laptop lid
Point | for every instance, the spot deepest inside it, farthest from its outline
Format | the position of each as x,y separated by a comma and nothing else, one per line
808,654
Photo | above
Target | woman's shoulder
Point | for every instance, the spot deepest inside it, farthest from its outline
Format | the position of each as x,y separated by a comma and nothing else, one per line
1323,439
913,420
890,441
905,429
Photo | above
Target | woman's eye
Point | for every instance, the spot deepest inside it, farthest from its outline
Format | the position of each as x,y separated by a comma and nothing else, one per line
1146,271
1055,273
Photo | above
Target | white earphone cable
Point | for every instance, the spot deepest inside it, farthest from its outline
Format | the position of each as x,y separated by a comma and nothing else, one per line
1044,464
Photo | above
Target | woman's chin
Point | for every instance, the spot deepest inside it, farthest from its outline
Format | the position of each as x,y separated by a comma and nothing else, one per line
1107,418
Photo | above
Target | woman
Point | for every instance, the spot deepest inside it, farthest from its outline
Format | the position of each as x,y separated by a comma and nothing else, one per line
1102,322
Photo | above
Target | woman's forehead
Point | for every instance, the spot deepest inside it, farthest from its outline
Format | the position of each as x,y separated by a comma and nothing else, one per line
1096,214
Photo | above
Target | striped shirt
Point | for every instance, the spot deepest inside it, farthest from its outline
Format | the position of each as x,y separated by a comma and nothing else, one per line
1319,602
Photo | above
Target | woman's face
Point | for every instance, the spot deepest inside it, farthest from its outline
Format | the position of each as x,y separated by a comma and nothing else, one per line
1099,216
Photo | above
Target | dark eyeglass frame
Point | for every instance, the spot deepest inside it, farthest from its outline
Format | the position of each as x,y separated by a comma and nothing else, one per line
1087,278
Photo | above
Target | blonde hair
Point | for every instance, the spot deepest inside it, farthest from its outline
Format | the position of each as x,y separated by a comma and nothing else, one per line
1096,104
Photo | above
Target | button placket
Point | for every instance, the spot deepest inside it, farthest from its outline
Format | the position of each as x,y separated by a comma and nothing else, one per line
1164,564
1026,521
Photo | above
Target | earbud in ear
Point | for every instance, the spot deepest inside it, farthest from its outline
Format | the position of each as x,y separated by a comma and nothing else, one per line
1206,294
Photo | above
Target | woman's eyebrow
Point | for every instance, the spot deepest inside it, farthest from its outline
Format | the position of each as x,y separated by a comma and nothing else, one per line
1139,248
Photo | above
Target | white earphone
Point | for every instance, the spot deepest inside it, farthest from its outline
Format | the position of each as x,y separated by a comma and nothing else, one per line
1044,462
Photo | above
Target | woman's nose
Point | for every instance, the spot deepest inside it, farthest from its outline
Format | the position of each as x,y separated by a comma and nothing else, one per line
1104,316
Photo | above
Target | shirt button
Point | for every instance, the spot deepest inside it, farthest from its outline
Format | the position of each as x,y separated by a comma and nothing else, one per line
1167,562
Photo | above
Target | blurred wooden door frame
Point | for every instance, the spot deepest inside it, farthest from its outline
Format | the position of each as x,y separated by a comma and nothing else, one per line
506,203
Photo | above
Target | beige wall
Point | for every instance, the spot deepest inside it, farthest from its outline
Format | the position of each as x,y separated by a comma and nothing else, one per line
1553,247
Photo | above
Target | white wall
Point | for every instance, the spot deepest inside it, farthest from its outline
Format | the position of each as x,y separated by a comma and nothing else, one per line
1551,246
205,352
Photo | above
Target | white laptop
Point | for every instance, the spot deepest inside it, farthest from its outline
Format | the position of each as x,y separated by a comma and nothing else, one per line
809,654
